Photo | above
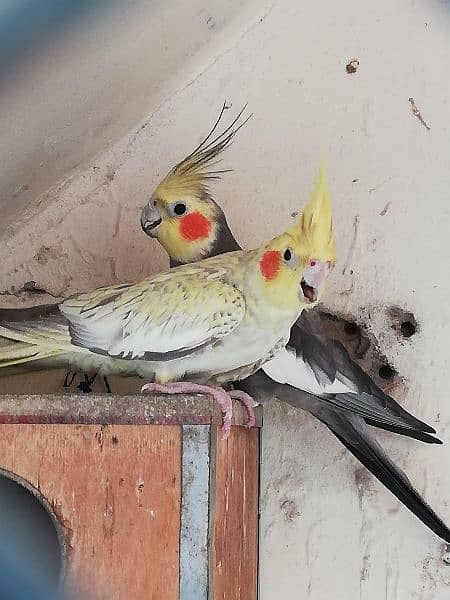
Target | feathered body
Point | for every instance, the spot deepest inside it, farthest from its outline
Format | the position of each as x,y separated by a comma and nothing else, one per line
166,326
314,372
311,362
214,321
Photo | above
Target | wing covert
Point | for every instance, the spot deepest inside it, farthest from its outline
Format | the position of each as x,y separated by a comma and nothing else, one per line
163,317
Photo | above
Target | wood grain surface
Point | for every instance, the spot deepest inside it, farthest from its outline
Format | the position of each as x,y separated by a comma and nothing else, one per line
234,516
116,491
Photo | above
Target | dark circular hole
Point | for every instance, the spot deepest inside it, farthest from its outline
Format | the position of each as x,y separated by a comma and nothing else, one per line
386,372
408,329
31,552
351,328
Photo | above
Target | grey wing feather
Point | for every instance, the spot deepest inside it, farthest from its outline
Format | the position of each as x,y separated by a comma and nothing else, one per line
328,359
313,348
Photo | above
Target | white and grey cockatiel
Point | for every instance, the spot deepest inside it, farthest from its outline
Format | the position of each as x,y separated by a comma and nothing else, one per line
314,372
210,322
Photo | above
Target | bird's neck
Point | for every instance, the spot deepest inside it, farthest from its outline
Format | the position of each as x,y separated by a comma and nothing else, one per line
225,240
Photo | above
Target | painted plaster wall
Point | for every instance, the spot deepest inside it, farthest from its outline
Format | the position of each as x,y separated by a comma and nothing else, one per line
328,531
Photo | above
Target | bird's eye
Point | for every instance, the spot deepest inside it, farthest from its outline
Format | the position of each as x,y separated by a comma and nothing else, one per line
289,257
179,208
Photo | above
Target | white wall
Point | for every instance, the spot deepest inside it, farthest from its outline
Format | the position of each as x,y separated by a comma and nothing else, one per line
327,530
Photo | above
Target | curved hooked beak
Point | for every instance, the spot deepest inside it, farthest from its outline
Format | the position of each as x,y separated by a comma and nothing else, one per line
150,219
313,279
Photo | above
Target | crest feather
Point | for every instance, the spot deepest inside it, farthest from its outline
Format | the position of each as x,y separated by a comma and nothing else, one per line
315,225
193,172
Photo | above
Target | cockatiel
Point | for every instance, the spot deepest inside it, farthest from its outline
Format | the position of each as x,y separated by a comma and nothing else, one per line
314,372
210,322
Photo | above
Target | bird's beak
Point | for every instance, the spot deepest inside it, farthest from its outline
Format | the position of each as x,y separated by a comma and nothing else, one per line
150,219
313,279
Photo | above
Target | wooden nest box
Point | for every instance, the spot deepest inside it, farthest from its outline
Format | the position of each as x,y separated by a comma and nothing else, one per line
149,502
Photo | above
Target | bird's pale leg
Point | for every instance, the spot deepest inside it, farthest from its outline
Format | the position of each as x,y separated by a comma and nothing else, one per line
248,402
222,398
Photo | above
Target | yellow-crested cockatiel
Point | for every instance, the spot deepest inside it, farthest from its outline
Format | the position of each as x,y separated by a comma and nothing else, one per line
314,372
210,322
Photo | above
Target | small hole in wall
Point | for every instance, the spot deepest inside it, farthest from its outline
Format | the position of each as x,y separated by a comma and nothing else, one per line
408,328
386,372
351,328
403,322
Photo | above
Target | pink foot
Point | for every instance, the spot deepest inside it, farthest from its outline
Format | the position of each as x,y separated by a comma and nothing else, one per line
249,404
184,387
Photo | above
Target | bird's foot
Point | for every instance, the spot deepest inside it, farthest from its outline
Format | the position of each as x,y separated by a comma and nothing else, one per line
85,386
249,404
222,398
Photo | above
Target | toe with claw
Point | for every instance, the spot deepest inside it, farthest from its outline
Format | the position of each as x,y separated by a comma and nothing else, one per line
85,386
222,398
249,404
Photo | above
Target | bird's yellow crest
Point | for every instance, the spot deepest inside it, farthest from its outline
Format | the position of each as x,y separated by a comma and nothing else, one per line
181,213
306,249
191,175
315,225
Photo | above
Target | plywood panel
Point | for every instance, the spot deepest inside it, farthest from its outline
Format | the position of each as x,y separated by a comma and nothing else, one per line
116,490
234,523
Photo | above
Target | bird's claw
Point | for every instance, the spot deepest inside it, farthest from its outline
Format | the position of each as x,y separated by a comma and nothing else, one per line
84,387
249,404
222,398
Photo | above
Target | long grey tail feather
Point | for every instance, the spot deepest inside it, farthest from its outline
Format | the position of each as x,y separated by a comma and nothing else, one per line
370,391
28,314
261,385
354,434
411,433
367,405
329,359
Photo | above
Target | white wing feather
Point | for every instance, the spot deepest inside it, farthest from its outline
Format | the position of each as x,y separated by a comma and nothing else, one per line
288,368
168,314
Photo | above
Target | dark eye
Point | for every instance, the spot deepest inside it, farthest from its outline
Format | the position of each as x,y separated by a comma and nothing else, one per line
289,257
155,202
179,208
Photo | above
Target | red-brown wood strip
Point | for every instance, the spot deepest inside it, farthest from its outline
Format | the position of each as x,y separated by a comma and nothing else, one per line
234,520
141,409
116,490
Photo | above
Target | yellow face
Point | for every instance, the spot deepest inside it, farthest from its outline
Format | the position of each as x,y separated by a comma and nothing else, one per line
291,277
184,224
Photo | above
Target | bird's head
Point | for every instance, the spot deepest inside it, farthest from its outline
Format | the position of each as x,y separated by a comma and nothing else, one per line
181,214
294,266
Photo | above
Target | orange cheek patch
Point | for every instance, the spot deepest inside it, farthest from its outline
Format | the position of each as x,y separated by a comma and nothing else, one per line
270,264
195,226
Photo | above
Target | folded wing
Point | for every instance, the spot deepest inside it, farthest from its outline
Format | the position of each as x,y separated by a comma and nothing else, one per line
161,318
